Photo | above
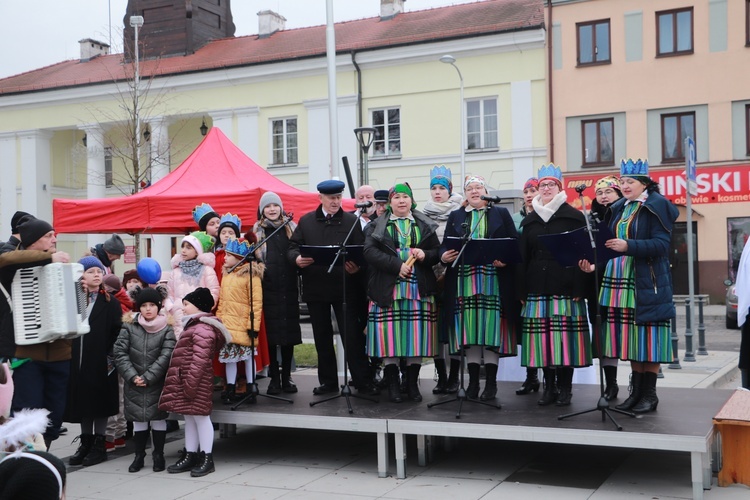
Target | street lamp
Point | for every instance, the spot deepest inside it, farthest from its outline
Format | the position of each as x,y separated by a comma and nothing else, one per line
204,127
365,136
135,23
448,59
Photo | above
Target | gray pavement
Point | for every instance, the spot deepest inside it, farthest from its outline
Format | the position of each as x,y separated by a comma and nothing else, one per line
269,463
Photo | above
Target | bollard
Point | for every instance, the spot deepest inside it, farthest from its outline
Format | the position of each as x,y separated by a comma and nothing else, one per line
702,351
675,364
689,355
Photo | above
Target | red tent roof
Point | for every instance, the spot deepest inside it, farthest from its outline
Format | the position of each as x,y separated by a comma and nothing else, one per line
217,173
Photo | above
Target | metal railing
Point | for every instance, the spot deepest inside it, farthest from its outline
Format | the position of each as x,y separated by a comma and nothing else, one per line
700,301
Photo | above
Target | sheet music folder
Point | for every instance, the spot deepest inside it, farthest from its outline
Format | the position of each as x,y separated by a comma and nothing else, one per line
323,255
480,251
571,246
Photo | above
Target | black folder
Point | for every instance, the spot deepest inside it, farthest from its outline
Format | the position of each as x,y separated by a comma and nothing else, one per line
571,246
323,255
481,251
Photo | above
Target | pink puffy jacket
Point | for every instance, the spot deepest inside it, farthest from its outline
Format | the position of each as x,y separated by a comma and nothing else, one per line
180,285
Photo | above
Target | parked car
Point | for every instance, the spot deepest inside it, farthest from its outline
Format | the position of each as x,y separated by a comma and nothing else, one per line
731,302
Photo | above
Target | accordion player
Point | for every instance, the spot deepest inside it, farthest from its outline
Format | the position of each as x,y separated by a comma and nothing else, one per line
49,303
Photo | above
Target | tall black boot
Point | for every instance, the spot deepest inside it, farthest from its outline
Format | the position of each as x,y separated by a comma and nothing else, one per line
636,382
394,389
287,384
549,395
745,378
453,375
274,385
84,447
158,438
404,376
610,377
564,385
442,373
490,382
531,384
412,375
472,390
648,401
98,453
139,439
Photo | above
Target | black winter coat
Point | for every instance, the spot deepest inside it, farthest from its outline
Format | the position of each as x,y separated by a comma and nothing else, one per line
314,229
138,352
92,391
384,264
540,274
280,294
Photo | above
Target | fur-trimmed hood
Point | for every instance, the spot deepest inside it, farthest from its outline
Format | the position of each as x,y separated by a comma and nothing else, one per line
206,258
215,322
258,270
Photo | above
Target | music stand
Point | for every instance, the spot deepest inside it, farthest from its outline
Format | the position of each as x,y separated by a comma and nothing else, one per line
346,390
602,405
461,394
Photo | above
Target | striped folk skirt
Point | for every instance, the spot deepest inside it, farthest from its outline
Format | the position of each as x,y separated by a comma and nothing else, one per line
479,320
622,338
406,329
555,332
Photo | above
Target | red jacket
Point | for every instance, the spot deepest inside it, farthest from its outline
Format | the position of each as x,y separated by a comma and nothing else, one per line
189,386
126,303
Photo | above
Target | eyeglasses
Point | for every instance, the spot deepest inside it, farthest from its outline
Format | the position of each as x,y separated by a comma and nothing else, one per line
547,185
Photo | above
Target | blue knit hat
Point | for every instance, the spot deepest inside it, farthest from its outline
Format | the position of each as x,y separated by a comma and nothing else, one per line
90,261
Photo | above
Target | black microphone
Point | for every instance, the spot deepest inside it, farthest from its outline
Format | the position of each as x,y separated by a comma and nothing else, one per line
492,199
581,188
364,204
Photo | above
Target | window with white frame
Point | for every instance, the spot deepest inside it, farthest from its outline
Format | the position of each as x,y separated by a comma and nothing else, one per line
675,128
284,141
598,142
481,124
387,124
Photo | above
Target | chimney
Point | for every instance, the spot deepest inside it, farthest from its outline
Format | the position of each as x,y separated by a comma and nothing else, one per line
269,23
390,9
91,48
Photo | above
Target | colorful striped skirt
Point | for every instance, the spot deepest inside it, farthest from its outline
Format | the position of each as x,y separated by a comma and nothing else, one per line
479,320
407,328
644,343
555,332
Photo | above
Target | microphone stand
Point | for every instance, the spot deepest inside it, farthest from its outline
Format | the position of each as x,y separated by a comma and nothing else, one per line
252,388
346,390
461,394
602,405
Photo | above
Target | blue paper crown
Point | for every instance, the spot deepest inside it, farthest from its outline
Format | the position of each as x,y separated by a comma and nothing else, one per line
440,170
629,168
550,171
239,247
231,218
200,211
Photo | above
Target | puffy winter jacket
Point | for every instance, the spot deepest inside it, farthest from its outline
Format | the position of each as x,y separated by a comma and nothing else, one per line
179,285
235,300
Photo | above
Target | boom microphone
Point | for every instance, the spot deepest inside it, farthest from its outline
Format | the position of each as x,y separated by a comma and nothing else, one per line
581,188
491,199
364,204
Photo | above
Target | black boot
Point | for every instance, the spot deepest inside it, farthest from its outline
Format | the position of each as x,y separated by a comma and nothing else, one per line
490,382
549,395
472,390
453,376
412,375
98,453
531,384
274,386
564,385
394,389
442,373
610,377
404,376
204,466
636,381
158,438
648,401
228,395
84,447
139,439
287,384
745,374
185,463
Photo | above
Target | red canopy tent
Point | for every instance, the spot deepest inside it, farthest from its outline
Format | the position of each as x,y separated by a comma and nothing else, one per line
217,173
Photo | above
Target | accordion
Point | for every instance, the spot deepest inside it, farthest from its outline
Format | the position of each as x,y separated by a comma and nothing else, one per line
49,303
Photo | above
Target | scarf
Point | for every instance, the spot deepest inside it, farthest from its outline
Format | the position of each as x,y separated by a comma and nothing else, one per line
547,211
192,270
441,211
155,325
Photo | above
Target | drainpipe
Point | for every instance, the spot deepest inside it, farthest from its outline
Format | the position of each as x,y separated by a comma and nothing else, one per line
360,155
549,83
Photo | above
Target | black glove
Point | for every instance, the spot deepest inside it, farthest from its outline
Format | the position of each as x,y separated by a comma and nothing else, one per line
252,334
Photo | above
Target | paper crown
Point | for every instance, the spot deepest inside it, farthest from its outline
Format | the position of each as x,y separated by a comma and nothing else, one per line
630,168
239,247
230,218
550,171
440,170
200,211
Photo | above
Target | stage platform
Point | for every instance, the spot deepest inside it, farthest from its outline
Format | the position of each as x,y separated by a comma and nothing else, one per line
683,422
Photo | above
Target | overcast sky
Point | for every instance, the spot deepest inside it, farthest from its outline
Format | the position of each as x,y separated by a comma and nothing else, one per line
38,33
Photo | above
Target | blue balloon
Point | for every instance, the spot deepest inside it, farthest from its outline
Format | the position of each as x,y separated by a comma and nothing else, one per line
149,270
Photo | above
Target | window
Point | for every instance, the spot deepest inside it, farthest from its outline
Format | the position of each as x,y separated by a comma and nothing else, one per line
598,142
481,124
593,43
675,128
674,32
108,176
284,141
387,123
747,129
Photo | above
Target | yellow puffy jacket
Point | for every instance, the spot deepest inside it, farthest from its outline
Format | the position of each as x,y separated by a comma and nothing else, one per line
235,303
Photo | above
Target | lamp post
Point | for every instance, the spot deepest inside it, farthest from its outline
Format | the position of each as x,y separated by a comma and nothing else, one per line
365,136
136,22
448,59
